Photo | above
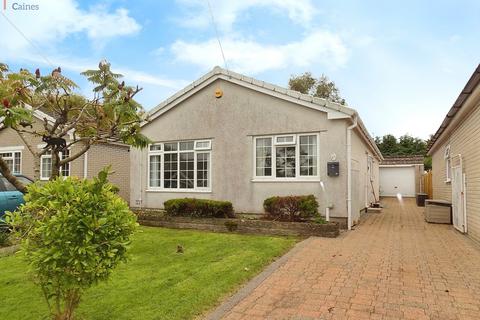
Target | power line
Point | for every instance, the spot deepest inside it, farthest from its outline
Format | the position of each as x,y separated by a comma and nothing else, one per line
216,33
28,40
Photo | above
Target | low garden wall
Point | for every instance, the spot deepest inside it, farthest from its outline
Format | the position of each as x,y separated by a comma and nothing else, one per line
238,225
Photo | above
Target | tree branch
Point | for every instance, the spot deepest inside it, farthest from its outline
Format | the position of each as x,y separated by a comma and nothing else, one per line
5,171
75,156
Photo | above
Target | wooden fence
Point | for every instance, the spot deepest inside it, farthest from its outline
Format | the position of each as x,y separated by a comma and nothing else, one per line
427,184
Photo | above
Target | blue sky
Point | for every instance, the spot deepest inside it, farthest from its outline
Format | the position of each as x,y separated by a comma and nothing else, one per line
400,64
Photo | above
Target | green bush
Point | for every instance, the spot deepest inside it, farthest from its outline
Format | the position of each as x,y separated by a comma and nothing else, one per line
291,208
189,207
73,234
4,237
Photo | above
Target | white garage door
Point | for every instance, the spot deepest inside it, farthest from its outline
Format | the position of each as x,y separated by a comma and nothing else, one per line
397,180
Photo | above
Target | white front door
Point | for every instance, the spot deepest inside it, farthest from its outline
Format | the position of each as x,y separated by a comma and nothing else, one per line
458,195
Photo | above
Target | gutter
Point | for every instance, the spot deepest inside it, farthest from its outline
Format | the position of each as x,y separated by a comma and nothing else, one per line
471,85
349,170
85,165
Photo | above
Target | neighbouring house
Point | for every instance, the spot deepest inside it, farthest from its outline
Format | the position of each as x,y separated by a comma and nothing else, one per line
401,176
455,151
230,137
21,161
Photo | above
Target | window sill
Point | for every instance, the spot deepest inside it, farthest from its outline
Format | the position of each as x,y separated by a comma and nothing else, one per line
178,190
315,180
449,181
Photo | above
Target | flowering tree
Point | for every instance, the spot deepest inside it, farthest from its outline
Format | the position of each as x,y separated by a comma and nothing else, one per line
68,118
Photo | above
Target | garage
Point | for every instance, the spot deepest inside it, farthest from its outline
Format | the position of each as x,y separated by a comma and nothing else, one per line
397,180
400,175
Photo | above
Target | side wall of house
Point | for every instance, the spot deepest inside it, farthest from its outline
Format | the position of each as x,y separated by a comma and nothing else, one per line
101,155
232,122
98,156
9,138
363,193
464,140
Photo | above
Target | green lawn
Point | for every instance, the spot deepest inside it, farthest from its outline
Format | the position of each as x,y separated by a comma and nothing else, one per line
157,283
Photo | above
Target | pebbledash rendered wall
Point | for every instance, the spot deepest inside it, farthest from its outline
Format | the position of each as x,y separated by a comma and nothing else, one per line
232,122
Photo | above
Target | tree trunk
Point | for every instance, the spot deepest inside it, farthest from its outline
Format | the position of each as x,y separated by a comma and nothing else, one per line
10,177
55,164
36,167
72,299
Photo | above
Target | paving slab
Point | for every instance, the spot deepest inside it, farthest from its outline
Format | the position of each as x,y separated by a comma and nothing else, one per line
394,265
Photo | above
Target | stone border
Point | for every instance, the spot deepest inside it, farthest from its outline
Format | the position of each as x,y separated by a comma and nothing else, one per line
249,226
248,288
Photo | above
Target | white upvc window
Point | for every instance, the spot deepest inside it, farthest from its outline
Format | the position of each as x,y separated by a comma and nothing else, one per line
448,165
203,145
13,160
287,157
46,165
285,140
180,166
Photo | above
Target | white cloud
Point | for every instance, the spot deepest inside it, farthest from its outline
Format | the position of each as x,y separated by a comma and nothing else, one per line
132,76
226,13
247,56
55,20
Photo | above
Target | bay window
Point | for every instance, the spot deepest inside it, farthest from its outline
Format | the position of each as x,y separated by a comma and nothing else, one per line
284,157
179,166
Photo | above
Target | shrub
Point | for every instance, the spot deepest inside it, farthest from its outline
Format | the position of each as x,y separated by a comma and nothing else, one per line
74,233
189,207
4,237
291,208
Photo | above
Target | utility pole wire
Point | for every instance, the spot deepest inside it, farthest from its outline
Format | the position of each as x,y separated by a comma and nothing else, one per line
28,40
216,33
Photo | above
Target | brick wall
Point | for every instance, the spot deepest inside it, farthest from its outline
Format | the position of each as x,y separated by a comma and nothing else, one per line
102,155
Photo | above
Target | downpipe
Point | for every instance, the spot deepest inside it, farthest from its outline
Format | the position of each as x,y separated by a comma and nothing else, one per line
349,171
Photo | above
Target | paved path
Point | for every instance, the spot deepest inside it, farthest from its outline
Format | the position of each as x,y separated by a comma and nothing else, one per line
393,266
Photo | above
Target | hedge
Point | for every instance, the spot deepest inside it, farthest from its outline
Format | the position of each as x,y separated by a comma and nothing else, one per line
201,208
291,208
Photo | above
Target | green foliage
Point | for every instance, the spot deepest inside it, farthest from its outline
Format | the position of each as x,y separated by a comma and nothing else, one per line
427,163
321,87
319,219
73,234
405,145
110,115
191,207
156,283
4,237
291,208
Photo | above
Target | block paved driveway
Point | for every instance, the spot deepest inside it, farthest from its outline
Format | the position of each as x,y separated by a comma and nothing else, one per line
392,266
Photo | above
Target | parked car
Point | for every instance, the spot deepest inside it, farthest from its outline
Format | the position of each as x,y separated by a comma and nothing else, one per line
10,197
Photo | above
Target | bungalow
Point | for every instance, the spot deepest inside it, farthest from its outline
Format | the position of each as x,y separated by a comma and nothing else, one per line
230,137
21,161
456,159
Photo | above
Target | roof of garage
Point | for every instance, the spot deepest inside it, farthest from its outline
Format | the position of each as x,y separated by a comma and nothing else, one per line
399,160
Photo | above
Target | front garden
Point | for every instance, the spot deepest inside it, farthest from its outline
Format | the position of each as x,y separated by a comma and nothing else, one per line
157,282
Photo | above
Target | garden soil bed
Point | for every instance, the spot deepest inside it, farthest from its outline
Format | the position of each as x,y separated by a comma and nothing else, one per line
238,225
